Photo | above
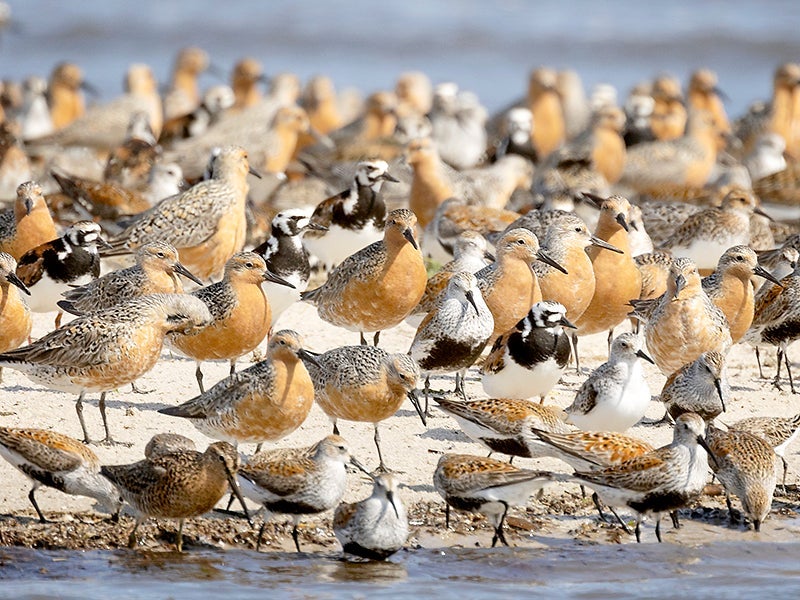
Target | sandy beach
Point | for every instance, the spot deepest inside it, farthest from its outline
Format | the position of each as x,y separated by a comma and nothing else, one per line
409,448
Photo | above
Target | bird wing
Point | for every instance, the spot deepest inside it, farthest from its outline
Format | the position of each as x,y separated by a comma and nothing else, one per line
43,455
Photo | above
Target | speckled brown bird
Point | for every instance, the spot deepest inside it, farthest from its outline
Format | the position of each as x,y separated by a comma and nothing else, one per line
505,425
176,485
684,322
157,271
58,461
29,224
130,163
378,286
745,465
263,403
365,384
731,289
700,386
103,200
206,223
107,349
778,432
486,486
240,311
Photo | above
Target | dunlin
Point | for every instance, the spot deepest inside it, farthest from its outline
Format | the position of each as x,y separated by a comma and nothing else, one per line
700,387
778,432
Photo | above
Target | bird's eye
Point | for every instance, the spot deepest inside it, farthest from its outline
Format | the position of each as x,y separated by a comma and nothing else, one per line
521,242
578,229
160,254
249,265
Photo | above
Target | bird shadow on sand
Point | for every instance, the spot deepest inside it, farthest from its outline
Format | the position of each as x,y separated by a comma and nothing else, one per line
443,434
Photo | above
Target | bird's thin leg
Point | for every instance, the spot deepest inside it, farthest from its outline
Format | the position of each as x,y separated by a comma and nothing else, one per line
79,410
381,466
233,366
758,361
575,352
199,375
32,498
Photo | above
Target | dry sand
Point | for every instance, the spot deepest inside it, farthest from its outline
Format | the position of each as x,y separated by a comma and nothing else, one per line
408,447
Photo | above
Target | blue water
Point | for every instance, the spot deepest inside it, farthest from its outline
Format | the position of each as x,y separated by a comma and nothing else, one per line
727,570
488,47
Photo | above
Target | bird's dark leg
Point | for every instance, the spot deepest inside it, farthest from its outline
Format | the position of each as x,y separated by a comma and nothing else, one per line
676,522
32,498
658,527
79,410
199,375
575,352
758,361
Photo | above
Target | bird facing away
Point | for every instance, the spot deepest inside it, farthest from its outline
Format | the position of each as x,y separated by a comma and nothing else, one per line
700,387
364,383
176,485
107,349
297,481
241,313
665,479
29,224
264,402
778,432
486,486
58,461
157,271
376,527
616,395
378,286
685,322
745,465
529,360
206,223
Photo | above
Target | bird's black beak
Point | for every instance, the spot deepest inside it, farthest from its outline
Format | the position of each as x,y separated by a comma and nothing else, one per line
237,492
28,205
762,272
270,276
704,444
622,222
358,465
309,357
254,173
471,299
181,270
412,395
719,92
643,355
545,258
489,256
757,210
564,322
89,89
408,233
103,243
596,241
14,280
388,177
316,226
718,385
680,283
390,498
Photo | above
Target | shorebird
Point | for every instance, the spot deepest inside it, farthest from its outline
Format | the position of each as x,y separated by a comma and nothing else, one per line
378,286
778,432
370,528
516,128
470,254
183,95
165,443
157,271
129,164
34,115
101,199
565,238
504,424
364,383
669,118
458,125
529,360
52,268
206,223
454,333
264,402
247,74
485,486
587,451
549,129
15,316
15,167
297,481
617,278
776,320
240,310
704,94
731,290
705,235
765,159
663,480
616,395
176,485
700,387
65,94
287,257
58,461
352,219
509,285
108,348
684,322
745,465
216,101
29,224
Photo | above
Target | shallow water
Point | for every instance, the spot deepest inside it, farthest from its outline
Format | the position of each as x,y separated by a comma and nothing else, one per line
488,47
720,570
